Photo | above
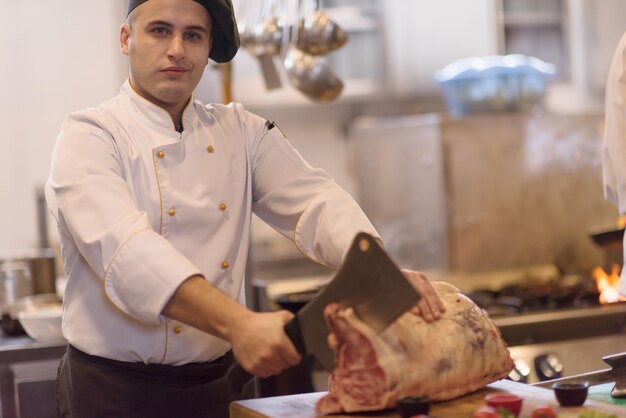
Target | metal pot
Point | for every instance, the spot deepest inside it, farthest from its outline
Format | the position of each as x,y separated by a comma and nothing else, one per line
611,241
608,237
40,262
16,281
24,274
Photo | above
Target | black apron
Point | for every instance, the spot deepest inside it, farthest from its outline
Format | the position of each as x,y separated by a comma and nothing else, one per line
95,387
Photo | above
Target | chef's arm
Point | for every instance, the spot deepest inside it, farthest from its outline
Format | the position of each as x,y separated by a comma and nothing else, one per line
259,342
96,208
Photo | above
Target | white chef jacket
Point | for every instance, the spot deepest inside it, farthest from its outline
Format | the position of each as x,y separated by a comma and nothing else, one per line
141,207
614,144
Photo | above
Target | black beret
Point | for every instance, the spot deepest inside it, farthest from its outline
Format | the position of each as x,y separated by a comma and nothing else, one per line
224,33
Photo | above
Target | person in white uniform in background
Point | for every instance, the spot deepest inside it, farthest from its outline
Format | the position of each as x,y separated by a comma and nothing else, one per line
614,144
153,193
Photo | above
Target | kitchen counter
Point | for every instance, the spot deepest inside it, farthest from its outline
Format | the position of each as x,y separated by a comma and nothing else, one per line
303,406
22,349
27,372
602,393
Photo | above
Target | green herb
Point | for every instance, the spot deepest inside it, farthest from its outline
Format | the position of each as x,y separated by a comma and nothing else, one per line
506,413
596,414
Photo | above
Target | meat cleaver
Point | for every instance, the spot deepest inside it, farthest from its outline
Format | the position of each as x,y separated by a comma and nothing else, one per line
370,283
617,374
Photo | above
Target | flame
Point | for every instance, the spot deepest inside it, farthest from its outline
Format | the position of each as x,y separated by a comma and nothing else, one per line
607,285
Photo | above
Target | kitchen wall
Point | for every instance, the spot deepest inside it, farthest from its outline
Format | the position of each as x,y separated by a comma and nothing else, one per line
58,56
424,36
524,190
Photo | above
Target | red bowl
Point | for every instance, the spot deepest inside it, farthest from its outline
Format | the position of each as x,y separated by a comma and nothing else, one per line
505,400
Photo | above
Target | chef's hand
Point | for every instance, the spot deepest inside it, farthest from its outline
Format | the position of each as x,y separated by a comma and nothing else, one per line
430,306
261,346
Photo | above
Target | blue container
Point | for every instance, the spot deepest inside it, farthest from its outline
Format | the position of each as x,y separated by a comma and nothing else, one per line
494,83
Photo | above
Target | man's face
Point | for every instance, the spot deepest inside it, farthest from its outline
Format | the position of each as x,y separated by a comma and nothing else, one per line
168,43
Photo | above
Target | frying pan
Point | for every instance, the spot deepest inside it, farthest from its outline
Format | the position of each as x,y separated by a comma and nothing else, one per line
608,238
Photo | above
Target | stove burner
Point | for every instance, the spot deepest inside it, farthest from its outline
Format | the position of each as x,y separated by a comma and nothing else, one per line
517,299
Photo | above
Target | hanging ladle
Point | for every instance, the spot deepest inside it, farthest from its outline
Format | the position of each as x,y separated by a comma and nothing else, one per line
319,34
308,73
263,40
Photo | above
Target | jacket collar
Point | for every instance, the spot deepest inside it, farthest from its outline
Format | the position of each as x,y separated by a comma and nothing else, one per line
156,114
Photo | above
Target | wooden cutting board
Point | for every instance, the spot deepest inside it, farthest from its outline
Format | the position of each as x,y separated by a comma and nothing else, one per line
303,406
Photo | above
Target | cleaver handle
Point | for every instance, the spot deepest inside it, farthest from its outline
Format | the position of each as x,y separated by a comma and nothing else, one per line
293,331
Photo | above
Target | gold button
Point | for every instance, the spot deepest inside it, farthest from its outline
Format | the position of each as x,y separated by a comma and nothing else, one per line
171,212
225,265
210,149
160,154
178,329
223,206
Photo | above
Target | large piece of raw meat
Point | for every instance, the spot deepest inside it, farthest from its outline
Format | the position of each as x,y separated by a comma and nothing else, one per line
458,354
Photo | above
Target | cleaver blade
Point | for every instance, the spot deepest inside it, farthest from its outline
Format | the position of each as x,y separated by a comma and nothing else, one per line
617,374
369,282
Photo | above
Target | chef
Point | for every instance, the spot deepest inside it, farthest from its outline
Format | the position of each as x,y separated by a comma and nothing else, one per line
153,193
614,145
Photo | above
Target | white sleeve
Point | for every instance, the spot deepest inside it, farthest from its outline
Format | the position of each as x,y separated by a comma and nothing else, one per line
90,200
304,203
614,144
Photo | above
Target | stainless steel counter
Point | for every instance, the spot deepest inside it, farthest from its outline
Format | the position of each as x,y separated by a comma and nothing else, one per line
563,324
27,372
23,349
